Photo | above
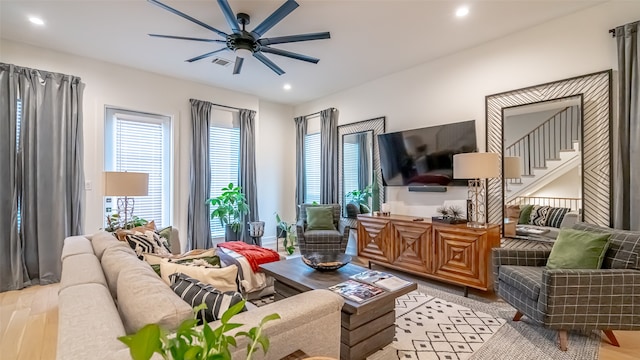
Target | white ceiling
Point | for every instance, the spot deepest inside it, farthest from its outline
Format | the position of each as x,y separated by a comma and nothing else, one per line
369,39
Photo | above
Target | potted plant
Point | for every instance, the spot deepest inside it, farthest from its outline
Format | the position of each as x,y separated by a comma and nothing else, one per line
449,215
194,343
229,208
361,197
114,222
288,232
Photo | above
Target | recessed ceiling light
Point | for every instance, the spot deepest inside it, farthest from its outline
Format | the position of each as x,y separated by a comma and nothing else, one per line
462,11
287,87
36,20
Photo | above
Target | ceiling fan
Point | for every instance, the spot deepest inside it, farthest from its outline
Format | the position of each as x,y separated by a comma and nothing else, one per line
245,43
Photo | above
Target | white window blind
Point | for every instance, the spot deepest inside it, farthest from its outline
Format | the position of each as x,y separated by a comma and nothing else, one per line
18,124
350,166
312,168
224,154
140,142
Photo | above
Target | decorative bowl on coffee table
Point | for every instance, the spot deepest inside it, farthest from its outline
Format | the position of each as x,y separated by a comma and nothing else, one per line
326,261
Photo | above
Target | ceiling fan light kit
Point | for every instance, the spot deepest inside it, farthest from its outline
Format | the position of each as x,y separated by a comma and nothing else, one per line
245,43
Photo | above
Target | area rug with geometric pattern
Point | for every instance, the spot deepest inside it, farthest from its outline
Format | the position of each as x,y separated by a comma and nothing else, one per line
432,328
434,323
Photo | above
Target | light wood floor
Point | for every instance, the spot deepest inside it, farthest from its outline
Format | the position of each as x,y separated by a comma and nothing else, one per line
29,327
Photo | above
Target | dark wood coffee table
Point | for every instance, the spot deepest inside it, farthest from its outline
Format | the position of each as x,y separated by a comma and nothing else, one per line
366,327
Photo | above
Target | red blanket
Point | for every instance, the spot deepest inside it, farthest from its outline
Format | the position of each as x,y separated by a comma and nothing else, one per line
255,255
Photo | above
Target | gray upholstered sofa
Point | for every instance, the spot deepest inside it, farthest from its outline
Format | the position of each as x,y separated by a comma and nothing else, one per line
106,291
604,299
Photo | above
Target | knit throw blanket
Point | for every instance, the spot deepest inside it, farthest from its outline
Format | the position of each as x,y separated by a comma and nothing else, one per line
255,255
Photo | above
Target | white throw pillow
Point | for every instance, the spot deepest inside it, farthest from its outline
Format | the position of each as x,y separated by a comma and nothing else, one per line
223,279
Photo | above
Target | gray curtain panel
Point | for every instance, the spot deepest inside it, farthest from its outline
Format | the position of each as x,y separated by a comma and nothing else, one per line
301,132
364,154
626,131
48,172
13,270
329,156
198,212
247,179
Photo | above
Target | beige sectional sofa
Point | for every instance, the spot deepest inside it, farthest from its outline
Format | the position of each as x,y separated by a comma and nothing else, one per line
106,292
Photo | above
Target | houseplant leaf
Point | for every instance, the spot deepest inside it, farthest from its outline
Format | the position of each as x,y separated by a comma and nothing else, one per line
143,344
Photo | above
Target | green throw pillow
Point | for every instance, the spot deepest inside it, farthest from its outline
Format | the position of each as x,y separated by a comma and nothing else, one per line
525,214
577,249
166,234
320,218
364,209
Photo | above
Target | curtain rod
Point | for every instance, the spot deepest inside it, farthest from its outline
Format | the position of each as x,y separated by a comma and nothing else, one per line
227,106
612,32
318,113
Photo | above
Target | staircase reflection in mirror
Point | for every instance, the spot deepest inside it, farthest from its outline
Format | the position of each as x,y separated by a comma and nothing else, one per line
546,137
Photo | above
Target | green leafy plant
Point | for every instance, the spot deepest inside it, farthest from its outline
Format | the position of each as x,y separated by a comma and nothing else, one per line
114,222
290,237
191,343
230,206
360,196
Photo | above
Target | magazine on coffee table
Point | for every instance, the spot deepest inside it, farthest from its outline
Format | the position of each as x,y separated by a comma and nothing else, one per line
357,291
380,279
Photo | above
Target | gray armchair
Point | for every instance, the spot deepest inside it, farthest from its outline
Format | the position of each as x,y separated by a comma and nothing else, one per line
322,240
605,299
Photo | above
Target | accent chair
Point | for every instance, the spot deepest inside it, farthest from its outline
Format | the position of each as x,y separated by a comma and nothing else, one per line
322,240
604,299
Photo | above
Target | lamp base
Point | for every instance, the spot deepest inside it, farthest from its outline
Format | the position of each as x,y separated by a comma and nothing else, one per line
476,225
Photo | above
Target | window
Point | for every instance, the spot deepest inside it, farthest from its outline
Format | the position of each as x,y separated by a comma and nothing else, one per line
350,168
312,167
141,142
224,156
18,123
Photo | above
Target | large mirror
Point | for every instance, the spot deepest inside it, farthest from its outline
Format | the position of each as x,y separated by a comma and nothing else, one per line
521,121
542,165
361,189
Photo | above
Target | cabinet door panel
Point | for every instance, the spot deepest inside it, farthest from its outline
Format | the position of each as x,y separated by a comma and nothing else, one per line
458,255
412,246
374,240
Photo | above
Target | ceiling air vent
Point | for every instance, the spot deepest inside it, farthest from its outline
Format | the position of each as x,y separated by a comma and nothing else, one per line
221,61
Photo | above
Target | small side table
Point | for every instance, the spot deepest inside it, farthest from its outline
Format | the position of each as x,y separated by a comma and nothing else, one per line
510,227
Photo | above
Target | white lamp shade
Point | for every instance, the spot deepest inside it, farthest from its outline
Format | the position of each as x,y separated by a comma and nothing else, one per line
476,165
512,168
126,183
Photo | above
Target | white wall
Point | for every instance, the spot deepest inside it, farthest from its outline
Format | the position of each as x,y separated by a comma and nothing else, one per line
567,185
109,84
453,88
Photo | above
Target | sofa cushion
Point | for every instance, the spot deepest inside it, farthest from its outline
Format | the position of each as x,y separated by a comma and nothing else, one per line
556,216
147,243
88,323
75,245
322,236
539,215
623,250
578,249
114,260
81,269
320,218
194,293
525,214
526,279
143,298
103,240
223,279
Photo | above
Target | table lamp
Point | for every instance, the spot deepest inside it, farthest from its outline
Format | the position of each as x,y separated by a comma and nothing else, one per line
124,185
512,169
476,167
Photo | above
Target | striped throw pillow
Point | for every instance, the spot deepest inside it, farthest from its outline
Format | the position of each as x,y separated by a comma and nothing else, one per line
147,243
555,216
539,215
195,293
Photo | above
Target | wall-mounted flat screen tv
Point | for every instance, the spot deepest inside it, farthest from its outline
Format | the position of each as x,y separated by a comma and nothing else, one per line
425,156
